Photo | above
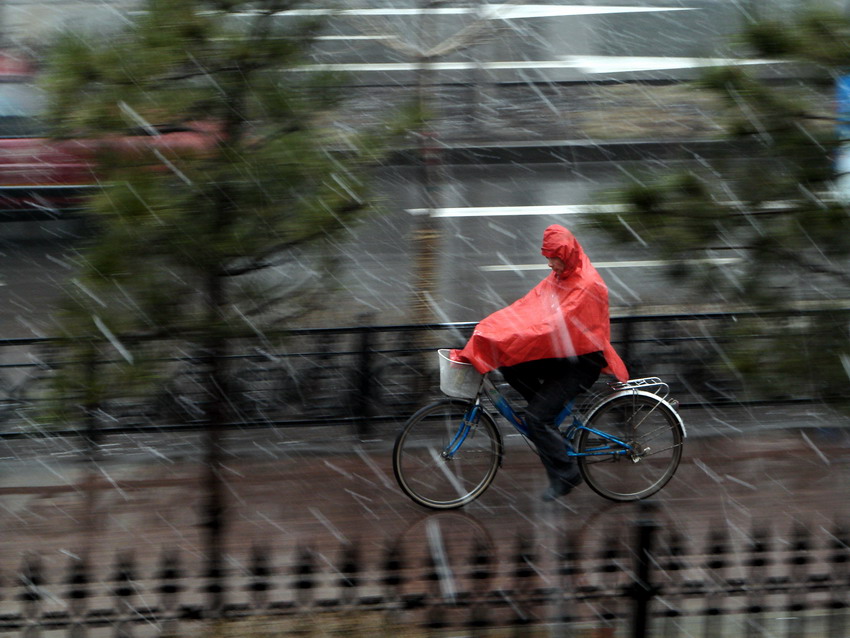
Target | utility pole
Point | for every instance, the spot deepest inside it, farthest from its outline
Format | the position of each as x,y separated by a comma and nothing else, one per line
426,235
428,46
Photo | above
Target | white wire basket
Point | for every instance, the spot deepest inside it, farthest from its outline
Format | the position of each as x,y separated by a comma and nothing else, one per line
458,379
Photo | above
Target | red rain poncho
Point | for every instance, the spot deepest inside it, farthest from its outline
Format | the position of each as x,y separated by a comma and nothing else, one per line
560,317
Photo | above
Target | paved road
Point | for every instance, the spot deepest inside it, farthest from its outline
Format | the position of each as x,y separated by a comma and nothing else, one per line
486,259
323,488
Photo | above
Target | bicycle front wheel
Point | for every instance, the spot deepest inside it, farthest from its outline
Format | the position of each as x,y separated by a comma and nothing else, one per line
630,448
447,454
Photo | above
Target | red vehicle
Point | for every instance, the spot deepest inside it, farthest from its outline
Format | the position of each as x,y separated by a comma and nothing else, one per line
41,178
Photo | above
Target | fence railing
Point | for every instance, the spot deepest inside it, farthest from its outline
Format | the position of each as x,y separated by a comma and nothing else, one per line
638,580
370,373
642,579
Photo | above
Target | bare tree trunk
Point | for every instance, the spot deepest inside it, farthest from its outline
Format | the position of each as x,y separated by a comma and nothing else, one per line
92,519
216,350
426,236
216,416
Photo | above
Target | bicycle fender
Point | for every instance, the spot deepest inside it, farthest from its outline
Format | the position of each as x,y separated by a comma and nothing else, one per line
632,392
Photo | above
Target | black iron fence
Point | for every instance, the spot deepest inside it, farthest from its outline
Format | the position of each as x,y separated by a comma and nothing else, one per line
368,373
638,580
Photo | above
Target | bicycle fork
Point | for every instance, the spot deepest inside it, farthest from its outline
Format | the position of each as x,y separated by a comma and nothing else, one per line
470,420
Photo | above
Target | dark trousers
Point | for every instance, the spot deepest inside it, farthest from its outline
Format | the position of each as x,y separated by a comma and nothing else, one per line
548,385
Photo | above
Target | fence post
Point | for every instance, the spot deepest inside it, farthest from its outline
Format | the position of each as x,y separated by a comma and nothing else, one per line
642,590
363,397
627,337
91,405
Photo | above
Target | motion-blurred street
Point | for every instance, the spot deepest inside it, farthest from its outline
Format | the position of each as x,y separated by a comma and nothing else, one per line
535,124
324,488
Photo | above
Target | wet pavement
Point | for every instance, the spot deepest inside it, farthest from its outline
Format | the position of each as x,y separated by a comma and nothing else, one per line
325,488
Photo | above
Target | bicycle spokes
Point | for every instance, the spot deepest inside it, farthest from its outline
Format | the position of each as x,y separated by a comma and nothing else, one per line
630,447
447,454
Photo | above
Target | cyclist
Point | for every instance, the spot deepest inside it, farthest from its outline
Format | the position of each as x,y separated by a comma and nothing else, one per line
551,345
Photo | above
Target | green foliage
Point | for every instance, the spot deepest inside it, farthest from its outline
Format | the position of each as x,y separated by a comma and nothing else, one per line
772,207
792,356
185,223
818,35
772,39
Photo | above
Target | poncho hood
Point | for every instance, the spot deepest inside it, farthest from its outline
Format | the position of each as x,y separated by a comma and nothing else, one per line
561,243
560,317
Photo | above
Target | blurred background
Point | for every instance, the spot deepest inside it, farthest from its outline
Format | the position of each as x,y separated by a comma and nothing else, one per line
158,470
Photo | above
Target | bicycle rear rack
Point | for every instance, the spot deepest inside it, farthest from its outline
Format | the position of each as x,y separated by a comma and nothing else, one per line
661,388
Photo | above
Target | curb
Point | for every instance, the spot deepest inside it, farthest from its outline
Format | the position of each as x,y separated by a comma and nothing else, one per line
569,151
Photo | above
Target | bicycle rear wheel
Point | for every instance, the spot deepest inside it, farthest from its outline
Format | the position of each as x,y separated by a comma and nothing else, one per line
653,436
442,462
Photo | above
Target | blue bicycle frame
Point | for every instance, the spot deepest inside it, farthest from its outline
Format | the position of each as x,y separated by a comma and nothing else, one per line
619,448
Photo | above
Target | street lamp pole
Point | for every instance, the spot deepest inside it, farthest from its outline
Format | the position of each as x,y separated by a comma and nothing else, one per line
426,234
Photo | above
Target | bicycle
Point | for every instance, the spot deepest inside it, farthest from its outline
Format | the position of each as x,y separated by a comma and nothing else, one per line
447,454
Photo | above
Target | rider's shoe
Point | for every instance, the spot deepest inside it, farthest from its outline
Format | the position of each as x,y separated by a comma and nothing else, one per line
560,487
555,491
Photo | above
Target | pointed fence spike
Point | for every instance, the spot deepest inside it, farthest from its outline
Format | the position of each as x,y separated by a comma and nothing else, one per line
802,538
78,578
350,566
524,558
674,550
169,575
260,573
169,566
718,545
304,572
392,568
609,553
260,567
481,563
124,575
759,548
801,543
840,545
31,578
569,556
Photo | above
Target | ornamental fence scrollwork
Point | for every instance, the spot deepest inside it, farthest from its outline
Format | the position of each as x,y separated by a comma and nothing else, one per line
637,580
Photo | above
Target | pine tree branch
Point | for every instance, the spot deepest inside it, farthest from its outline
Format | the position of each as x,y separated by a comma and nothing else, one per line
800,262
266,259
